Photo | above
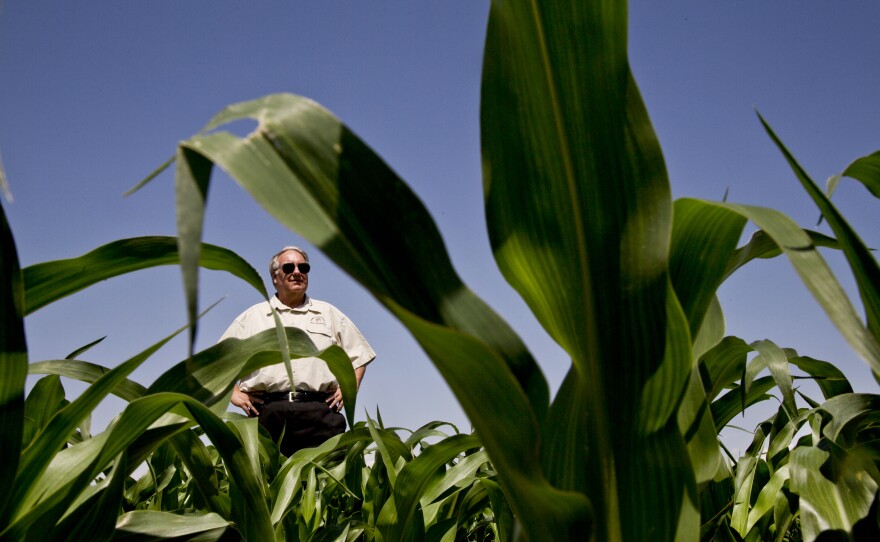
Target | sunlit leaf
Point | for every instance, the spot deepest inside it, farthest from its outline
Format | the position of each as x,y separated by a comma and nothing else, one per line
826,505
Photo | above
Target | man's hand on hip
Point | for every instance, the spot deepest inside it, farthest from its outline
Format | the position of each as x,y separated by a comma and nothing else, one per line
335,400
246,401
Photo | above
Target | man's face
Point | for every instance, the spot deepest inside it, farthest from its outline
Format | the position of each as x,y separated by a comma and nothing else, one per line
292,284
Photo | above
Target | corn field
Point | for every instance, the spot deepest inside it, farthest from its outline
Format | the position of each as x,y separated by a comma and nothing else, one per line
575,185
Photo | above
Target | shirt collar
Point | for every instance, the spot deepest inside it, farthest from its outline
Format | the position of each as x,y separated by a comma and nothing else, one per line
276,304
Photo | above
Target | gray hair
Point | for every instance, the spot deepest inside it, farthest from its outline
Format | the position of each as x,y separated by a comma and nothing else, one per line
273,263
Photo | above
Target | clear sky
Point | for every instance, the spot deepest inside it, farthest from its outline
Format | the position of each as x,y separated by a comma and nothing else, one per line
94,95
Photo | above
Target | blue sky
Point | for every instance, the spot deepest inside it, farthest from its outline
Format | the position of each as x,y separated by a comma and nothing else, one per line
93,96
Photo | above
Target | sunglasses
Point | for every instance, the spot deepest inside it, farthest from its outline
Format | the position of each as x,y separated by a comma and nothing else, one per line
288,268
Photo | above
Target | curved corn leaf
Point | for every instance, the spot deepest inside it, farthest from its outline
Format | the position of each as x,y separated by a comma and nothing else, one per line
299,165
818,278
317,178
82,349
851,414
826,505
13,365
865,170
761,245
150,525
118,258
85,371
864,267
829,378
734,402
776,360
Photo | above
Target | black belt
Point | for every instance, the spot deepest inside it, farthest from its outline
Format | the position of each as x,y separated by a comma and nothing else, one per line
294,396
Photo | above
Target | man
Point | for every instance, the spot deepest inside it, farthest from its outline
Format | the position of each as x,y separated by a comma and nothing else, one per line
311,414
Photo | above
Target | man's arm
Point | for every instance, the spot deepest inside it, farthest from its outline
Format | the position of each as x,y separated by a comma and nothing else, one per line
335,401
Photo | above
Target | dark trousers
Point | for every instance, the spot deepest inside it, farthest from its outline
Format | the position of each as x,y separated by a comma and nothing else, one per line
300,424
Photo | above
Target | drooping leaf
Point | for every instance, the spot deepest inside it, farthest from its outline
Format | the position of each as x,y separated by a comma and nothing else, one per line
88,372
150,525
776,360
118,258
316,177
825,505
865,170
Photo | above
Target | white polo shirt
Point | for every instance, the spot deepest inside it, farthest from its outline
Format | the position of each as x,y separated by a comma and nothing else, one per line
325,325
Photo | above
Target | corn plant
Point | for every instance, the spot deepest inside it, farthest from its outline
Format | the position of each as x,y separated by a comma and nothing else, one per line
582,225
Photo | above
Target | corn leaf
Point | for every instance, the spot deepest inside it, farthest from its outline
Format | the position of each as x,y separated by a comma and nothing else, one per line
88,372
865,170
576,190
44,400
118,258
312,174
704,236
150,525
861,262
827,505
818,278
397,515
13,365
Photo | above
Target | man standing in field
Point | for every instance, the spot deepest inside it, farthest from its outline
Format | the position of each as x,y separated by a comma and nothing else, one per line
307,413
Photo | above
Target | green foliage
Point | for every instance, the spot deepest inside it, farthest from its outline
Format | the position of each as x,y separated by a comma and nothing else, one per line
628,447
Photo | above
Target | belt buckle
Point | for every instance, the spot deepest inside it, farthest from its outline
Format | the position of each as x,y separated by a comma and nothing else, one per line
291,396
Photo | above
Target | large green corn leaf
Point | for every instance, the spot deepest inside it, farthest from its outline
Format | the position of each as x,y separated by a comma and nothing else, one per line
579,216
851,415
13,365
861,262
121,257
313,175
